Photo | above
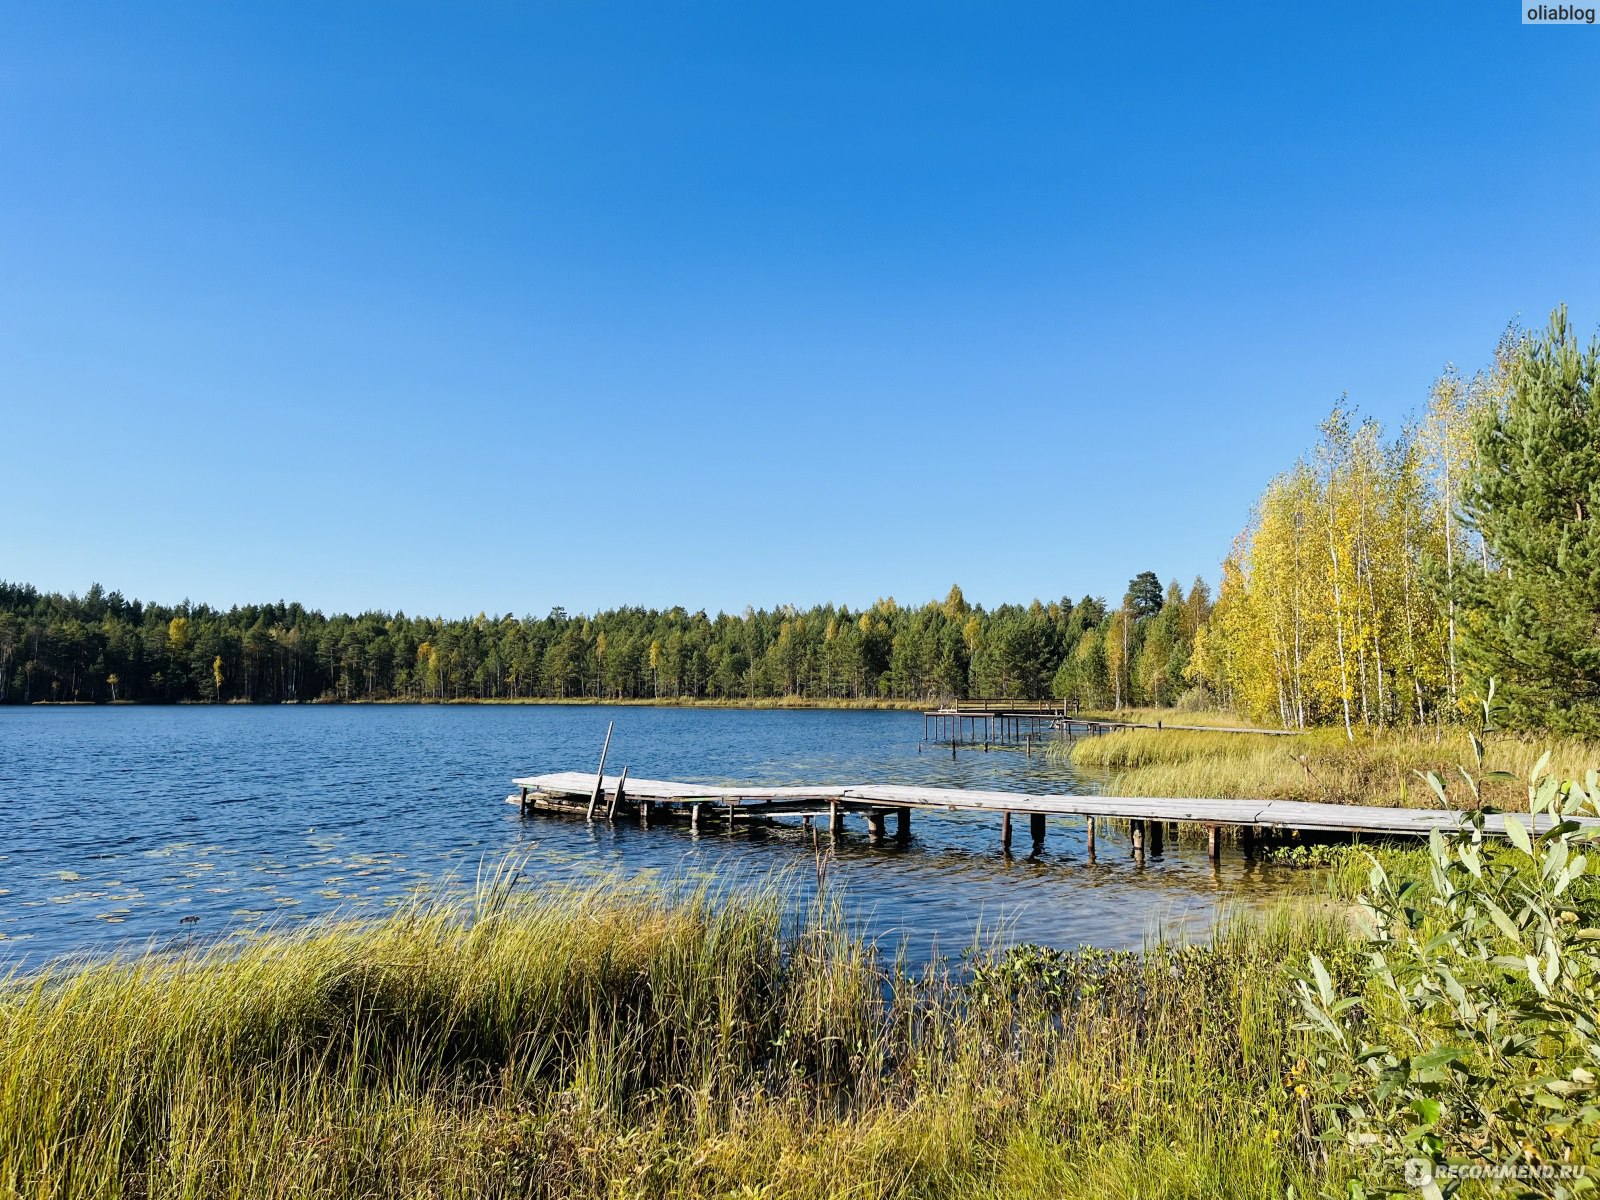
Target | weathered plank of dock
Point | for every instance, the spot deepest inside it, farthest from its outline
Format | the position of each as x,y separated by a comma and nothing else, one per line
823,799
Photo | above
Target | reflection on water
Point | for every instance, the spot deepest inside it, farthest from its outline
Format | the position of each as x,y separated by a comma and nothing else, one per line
132,825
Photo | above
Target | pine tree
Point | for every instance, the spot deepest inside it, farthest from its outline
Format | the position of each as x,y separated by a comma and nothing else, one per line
1532,617
1144,594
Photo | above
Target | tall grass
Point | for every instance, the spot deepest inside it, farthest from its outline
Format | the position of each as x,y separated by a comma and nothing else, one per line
605,1043
1316,765
1169,716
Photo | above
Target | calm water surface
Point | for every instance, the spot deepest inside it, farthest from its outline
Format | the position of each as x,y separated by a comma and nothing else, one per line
133,826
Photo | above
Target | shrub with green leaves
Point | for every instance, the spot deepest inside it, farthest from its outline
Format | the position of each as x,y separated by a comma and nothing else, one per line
1470,1044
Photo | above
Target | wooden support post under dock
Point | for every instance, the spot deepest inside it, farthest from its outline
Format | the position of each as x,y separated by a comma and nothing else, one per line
1036,827
524,803
1211,842
1137,830
1005,831
835,819
875,824
902,825
1157,831
694,817
1090,836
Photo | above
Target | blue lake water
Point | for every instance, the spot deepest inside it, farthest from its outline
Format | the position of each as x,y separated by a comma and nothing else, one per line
136,826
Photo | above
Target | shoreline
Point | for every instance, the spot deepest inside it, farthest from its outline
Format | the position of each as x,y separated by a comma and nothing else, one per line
796,703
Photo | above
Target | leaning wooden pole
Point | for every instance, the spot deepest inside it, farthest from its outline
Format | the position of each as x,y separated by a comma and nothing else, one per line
600,774
616,796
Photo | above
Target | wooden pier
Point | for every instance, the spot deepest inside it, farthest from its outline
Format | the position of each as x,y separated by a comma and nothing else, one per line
705,806
992,721
1001,723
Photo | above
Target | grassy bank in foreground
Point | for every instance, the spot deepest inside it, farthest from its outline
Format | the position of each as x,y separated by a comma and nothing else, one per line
1319,764
583,1043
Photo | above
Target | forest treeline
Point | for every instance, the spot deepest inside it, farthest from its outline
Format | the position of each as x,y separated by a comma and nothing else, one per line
101,647
1387,581
1380,582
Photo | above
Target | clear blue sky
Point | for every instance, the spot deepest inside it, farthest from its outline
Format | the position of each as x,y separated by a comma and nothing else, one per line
494,307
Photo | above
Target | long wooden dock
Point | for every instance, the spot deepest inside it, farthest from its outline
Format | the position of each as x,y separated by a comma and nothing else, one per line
595,794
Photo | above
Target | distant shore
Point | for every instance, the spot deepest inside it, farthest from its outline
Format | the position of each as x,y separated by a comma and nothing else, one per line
770,702
766,702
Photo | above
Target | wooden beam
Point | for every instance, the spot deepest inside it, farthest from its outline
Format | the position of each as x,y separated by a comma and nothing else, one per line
616,796
600,774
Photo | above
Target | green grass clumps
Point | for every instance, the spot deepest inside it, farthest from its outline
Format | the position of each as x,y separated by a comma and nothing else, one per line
610,1042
